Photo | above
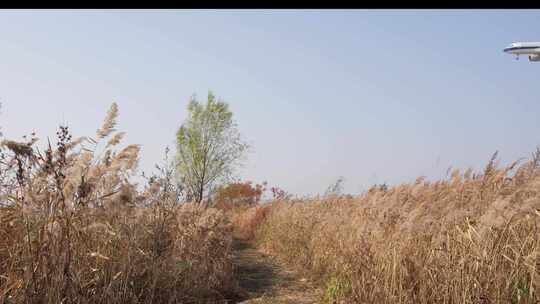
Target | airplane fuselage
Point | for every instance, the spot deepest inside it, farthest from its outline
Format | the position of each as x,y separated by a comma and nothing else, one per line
532,49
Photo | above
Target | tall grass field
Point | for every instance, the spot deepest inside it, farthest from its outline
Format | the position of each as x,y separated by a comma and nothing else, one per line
76,228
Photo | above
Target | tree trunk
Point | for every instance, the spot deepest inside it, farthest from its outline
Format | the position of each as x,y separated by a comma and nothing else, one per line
200,194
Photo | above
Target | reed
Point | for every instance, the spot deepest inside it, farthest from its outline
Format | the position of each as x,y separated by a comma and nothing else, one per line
75,229
469,238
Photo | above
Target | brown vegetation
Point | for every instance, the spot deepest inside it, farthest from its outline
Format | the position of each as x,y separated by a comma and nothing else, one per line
472,238
246,221
74,229
239,194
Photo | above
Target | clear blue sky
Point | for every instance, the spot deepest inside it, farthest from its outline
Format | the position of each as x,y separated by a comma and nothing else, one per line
372,96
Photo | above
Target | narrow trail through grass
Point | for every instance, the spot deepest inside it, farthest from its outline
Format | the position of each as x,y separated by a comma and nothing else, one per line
263,280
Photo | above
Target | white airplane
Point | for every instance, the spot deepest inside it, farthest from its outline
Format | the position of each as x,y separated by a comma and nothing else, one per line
532,49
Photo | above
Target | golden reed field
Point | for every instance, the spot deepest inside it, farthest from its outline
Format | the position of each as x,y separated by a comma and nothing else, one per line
75,229
473,238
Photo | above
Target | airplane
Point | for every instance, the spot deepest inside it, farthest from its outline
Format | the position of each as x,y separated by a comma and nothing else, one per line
532,49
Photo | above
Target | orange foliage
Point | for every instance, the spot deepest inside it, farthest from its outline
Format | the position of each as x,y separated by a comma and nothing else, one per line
239,194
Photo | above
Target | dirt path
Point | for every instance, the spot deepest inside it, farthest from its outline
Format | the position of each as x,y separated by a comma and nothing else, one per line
263,280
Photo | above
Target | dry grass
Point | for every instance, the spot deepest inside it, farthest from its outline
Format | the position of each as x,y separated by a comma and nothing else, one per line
472,238
74,229
246,220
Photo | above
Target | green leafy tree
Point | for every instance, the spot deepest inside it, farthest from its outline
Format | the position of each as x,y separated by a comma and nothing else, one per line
209,147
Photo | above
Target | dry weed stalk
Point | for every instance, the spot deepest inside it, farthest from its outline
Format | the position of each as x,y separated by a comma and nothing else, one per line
74,229
471,238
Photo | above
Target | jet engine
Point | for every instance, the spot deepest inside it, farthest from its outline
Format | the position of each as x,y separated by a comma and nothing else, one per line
534,57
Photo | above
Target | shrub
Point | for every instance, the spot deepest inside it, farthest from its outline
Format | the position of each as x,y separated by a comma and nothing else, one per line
240,194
